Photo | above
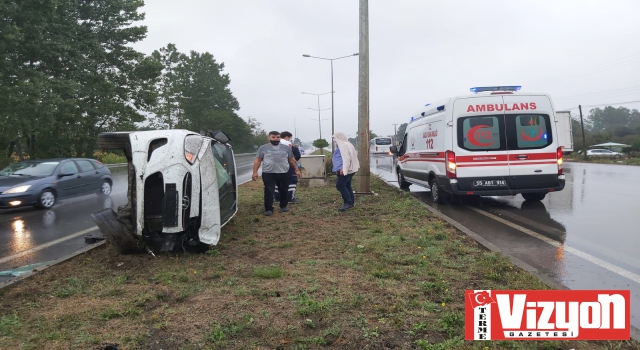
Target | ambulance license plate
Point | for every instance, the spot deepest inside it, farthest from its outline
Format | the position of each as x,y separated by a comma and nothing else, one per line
489,183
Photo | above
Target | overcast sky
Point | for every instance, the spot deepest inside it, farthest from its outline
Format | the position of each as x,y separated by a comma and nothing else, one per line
581,52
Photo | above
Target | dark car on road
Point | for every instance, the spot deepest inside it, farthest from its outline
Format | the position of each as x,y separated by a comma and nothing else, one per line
42,182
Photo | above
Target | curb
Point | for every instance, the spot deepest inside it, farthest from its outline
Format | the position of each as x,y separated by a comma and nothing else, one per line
635,332
5,285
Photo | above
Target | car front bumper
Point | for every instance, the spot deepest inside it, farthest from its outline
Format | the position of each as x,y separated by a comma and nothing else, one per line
25,199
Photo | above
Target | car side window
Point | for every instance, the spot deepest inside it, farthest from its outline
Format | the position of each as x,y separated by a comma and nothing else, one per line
69,168
85,166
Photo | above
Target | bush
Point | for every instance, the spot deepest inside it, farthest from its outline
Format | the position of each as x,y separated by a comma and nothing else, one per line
4,161
109,158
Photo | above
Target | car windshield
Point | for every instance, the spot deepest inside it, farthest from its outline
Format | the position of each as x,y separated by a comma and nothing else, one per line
30,169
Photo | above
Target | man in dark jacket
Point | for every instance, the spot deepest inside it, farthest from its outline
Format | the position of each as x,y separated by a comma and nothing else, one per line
285,139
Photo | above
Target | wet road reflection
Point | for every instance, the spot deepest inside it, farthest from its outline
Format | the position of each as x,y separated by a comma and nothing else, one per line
584,237
31,236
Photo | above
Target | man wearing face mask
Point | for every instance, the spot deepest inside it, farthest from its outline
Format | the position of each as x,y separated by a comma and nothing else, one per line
276,159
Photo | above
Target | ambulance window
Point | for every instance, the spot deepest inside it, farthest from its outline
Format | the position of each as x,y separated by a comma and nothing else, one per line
481,133
528,131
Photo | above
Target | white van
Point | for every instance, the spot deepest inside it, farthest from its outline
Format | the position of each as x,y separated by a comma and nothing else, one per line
495,142
380,145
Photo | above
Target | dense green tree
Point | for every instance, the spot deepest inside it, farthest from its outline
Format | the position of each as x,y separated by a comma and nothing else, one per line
67,74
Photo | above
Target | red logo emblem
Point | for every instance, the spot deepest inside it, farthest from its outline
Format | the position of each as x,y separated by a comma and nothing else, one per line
479,132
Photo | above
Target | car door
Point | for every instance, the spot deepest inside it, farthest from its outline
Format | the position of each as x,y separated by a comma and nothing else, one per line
227,184
89,177
69,180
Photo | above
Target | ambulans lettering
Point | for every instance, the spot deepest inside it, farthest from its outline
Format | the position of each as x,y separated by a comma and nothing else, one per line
500,107
432,133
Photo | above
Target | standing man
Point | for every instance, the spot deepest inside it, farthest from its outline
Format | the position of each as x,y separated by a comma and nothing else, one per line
285,139
276,160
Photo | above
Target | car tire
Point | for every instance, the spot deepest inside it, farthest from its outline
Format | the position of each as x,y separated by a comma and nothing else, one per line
113,140
105,188
401,181
617,156
533,197
437,194
115,231
47,199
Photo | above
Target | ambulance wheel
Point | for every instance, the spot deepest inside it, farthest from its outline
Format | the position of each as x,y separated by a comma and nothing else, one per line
533,197
437,194
401,181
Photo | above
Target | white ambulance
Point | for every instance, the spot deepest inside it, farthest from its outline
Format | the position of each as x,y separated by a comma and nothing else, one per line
495,142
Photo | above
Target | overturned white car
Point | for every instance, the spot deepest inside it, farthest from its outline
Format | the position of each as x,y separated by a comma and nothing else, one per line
182,190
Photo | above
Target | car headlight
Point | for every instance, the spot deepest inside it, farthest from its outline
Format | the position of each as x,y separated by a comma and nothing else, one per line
192,146
18,189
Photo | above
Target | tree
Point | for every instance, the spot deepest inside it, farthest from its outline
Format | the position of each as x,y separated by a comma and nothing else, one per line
320,143
67,74
401,130
167,110
372,135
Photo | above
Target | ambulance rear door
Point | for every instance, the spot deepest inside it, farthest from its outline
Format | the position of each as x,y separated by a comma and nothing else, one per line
480,143
532,141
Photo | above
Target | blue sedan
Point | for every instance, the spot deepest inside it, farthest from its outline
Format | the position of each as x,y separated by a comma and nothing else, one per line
42,182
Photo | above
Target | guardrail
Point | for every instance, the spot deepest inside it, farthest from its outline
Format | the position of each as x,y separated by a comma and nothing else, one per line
119,165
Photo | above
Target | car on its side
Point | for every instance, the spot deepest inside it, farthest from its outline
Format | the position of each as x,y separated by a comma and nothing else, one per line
603,153
41,183
182,190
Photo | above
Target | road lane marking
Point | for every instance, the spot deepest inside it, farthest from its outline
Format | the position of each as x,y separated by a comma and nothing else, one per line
606,265
47,245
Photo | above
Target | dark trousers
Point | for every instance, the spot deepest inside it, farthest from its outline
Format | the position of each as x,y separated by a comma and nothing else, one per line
293,184
271,180
343,185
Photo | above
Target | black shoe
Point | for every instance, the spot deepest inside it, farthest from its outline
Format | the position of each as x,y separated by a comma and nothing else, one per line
284,210
345,207
268,213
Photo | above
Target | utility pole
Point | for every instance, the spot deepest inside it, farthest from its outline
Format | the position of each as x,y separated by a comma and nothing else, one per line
363,184
584,141
395,134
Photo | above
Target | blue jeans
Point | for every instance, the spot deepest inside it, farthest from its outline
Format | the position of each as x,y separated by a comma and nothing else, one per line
343,185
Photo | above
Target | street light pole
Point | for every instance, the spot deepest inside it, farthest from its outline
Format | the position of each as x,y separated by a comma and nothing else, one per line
332,107
307,93
363,184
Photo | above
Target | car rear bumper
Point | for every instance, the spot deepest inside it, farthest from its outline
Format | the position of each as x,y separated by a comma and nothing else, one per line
536,184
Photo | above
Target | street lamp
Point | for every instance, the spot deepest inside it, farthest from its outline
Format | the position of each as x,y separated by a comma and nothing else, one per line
319,125
307,93
331,60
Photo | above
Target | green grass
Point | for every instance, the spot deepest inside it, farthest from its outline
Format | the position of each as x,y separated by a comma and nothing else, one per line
268,272
386,274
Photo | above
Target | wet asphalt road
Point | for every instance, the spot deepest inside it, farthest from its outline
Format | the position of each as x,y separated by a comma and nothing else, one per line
584,237
30,236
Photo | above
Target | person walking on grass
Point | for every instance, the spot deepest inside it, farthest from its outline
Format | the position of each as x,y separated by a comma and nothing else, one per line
276,159
345,165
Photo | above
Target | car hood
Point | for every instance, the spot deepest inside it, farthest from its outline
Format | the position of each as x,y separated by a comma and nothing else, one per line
7,182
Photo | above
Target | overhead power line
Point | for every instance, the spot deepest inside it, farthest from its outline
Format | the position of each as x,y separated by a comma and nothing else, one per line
600,105
594,69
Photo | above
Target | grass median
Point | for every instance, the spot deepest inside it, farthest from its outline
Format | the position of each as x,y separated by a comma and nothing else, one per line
386,274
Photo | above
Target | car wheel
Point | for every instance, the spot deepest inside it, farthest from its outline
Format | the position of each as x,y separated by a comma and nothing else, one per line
401,181
533,197
617,156
105,188
113,140
47,199
437,194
